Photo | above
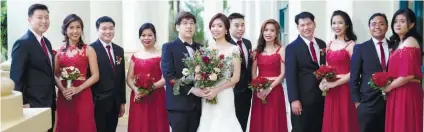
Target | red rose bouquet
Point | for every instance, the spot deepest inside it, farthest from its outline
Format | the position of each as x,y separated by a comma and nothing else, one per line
259,84
327,72
144,84
380,81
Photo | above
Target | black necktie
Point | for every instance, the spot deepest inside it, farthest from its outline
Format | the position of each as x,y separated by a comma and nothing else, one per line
192,46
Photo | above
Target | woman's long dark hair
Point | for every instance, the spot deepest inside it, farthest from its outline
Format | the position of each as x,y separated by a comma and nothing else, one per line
350,35
410,16
226,22
66,22
261,41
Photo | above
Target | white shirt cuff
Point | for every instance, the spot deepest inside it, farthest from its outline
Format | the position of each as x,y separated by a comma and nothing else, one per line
189,91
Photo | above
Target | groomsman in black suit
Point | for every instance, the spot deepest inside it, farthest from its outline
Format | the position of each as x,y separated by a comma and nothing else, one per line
370,57
242,94
184,109
33,62
303,57
109,91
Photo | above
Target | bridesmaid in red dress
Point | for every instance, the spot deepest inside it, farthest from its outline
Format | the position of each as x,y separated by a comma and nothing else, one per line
339,111
404,106
269,59
147,114
75,108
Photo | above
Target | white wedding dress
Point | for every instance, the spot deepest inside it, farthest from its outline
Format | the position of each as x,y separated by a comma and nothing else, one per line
221,117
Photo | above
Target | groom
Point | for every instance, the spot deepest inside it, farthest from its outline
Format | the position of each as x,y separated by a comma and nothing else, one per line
184,110
303,57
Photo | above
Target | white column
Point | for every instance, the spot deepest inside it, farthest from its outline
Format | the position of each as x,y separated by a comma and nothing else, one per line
112,9
295,7
363,11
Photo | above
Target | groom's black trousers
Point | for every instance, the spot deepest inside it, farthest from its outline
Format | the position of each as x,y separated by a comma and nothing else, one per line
184,121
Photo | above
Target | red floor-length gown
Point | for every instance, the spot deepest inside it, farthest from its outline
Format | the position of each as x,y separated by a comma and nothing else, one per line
404,106
76,115
340,114
148,115
269,117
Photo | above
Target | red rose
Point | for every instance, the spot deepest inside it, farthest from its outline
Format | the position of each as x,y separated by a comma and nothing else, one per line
381,79
220,65
68,70
206,59
205,75
221,57
326,72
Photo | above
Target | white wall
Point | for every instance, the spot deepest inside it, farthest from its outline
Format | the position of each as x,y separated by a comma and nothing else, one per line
363,11
112,9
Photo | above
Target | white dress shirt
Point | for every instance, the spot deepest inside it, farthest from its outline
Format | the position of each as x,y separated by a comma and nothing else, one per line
189,49
39,41
244,48
111,50
385,48
316,47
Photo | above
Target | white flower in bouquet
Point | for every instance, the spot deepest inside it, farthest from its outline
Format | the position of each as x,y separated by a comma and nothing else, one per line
197,77
186,72
65,74
217,70
213,77
71,68
197,69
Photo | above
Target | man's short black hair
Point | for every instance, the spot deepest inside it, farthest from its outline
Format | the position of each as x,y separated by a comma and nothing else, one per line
104,19
35,7
235,15
303,15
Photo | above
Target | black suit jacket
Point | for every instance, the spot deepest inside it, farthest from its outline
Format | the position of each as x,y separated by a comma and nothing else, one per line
364,63
110,89
32,72
246,72
301,82
172,67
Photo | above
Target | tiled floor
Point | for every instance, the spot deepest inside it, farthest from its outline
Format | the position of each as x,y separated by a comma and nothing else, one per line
121,128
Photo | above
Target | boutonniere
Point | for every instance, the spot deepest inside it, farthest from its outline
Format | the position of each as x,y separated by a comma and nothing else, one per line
322,51
252,53
118,60
54,52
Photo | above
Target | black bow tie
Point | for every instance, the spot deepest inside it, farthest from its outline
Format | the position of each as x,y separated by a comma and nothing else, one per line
192,46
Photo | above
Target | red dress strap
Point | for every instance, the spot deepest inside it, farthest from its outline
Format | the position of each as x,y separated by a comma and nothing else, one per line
278,50
348,43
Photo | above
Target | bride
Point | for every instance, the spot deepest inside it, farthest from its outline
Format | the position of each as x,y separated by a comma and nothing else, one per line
221,117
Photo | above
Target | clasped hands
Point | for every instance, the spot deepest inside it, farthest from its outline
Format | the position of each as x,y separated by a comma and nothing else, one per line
207,93
325,85
69,92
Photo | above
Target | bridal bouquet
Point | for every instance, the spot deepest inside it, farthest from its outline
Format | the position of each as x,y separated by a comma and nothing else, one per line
260,84
327,72
70,74
380,81
144,84
206,68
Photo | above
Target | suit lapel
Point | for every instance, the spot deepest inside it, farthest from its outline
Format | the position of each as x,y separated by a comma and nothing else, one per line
373,52
181,46
305,49
103,53
321,53
117,56
49,48
40,50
